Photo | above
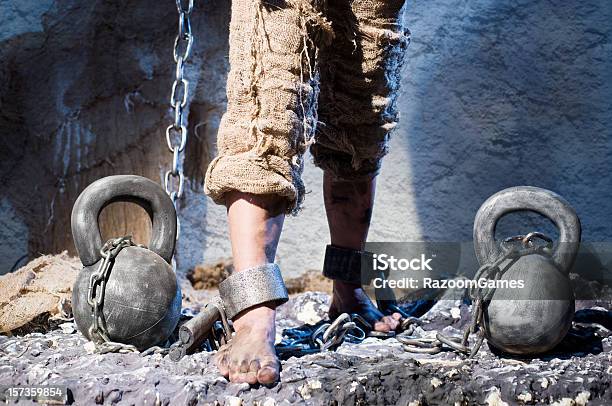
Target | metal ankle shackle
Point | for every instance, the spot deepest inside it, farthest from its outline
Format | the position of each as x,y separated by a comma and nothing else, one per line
535,318
238,292
134,292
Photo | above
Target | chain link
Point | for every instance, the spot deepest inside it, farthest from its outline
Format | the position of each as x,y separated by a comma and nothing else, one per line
176,133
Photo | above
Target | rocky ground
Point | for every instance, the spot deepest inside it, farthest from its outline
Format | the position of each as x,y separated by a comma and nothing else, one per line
373,372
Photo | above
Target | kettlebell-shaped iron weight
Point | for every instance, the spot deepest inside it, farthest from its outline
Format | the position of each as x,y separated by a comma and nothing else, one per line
141,299
533,319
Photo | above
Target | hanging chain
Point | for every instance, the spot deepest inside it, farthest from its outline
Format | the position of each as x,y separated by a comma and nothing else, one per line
176,133
174,180
480,296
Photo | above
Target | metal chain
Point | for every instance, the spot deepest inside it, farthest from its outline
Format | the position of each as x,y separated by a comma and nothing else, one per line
95,298
121,348
480,297
176,133
324,336
174,181
97,285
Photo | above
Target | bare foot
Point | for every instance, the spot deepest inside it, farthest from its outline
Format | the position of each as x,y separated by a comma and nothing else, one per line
250,356
350,298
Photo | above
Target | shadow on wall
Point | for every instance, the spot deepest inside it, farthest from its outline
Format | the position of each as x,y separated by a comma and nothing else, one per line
84,94
506,93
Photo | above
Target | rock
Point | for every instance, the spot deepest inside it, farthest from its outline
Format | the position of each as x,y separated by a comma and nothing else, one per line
494,398
306,308
269,402
89,347
435,382
582,399
233,401
525,397
68,328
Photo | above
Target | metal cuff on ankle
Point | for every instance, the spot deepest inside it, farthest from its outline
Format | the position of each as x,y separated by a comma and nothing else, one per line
251,287
344,264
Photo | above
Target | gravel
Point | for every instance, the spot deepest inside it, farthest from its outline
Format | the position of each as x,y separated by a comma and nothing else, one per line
373,372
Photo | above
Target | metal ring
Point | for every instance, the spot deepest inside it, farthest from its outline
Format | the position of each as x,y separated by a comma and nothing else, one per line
333,327
359,319
178,116
173,100
187,51
179,7
314,340
183,131
455,345
180,68
417,350
179,192
184,25
528,239
175,161
417,341
356,338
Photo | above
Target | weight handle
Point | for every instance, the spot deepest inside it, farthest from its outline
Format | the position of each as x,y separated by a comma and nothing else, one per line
122,188
528,198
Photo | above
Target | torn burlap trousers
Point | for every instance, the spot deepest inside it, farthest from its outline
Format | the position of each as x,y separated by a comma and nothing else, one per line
304,73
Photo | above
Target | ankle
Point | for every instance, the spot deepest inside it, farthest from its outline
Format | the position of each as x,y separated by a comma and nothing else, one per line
260,317
341,288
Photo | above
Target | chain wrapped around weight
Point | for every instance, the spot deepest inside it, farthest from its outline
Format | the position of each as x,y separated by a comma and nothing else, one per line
480,297
95,297
526,320
125,293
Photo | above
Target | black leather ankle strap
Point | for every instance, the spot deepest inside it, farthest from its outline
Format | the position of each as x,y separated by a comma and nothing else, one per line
344,264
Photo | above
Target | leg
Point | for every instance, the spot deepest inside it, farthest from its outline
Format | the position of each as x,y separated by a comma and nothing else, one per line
348,205
255,223
360,76
263,134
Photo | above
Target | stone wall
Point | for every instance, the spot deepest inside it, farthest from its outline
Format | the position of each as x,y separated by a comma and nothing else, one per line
496,93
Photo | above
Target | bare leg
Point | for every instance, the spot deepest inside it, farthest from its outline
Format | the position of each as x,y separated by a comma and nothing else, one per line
255,224
348,205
